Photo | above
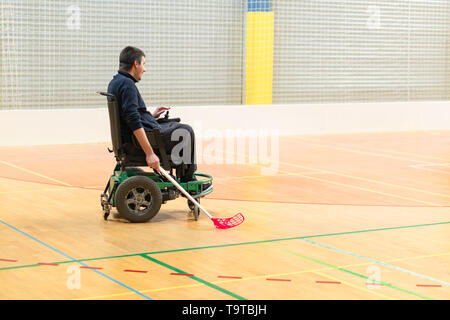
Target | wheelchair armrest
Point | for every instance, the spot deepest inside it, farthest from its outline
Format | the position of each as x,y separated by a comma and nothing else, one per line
164,120
152,135
157,144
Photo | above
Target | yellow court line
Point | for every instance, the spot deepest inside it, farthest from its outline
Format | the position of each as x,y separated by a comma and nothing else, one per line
360,151
35,173
384,150
142,291
261,276
348,185
354,286
365,189
413,154
346,266
47,189
432,170
27,191
256,176
367,180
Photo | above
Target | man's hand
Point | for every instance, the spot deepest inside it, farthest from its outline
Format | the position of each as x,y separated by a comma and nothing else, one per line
153,161
159,111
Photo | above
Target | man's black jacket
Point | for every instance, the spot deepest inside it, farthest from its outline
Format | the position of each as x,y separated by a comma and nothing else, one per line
132,110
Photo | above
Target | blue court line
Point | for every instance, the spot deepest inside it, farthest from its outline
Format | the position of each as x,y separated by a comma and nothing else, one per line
75,260
378,262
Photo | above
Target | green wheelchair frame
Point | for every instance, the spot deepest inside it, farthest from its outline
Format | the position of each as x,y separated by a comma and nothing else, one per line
138,194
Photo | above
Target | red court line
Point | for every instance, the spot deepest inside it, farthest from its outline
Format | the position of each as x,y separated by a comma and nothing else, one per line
330,282
8,260
277,279
182,274
93,268
229,277
140,271
48,264
429,285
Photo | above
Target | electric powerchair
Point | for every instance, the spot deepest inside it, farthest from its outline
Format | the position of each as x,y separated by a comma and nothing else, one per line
137,194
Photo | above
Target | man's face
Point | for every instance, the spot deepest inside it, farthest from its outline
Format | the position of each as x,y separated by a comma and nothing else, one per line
139,69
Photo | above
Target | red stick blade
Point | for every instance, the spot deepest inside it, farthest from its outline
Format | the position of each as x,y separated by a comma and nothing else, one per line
228,223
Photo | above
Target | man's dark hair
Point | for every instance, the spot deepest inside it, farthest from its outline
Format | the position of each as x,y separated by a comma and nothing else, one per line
128,56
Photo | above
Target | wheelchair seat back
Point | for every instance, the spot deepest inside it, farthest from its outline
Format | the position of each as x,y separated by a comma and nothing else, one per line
114,124
136,159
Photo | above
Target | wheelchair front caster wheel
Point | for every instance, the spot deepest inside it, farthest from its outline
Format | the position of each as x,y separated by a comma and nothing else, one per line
196,213
138,199
194,209
106,207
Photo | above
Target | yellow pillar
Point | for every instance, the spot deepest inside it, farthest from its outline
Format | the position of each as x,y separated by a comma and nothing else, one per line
259,58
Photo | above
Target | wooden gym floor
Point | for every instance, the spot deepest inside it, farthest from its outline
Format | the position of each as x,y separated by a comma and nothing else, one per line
350,216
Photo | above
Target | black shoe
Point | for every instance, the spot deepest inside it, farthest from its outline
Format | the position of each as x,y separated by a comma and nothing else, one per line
206,186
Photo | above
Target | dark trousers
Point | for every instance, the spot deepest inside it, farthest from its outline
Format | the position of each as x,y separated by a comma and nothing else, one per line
176,137
179,140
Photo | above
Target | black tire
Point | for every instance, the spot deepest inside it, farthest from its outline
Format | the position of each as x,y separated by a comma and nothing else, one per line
194,209
196,213
138,199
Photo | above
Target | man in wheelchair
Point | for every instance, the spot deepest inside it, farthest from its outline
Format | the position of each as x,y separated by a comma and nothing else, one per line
135,120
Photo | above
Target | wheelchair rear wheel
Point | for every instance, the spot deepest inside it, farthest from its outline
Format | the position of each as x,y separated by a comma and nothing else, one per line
138,199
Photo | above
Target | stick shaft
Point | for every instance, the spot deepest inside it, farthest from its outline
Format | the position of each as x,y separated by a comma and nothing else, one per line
175,183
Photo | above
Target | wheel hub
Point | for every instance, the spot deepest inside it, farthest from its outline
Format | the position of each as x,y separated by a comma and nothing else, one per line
139,199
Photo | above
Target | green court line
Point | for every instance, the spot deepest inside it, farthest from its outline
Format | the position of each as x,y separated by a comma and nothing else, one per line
232,244
355,274
209,284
